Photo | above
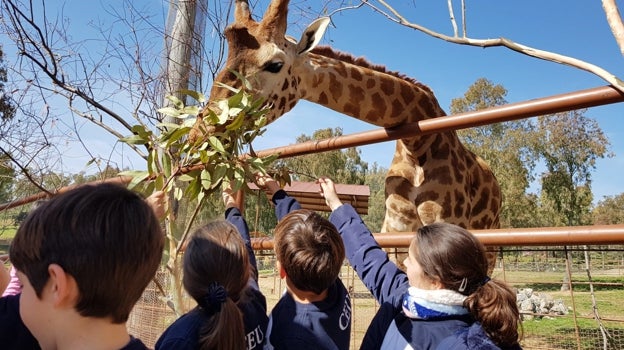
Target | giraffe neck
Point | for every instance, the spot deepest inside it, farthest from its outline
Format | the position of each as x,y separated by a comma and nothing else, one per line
366,92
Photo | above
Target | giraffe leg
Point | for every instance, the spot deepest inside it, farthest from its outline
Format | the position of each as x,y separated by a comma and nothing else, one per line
492,255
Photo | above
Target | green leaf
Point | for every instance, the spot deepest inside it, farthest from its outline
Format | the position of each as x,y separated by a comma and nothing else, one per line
246,83
200,197
152,167
216,144
237,122
133,173
141,131
179,104
159,182
169,111
138,178
134,140
235,100
219,172
172,137
191,110
197,96
166,164
206,179
178,193
193,189
234,90
186,177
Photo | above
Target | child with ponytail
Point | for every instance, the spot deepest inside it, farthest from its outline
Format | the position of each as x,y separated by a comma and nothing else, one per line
220,274
444,299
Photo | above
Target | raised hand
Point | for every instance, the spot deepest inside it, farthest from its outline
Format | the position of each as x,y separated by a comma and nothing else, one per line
328,191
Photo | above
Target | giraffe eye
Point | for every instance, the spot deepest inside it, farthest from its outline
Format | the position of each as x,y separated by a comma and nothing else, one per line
273,67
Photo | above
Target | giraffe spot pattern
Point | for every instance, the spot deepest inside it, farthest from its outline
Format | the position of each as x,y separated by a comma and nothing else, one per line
356,74
356,96
335,87
441,174
459,206
323,98
406,93
458,171
481,203
341,70
370,83
446,204
282,103
428,196
442,149
379,106
387,87
317,80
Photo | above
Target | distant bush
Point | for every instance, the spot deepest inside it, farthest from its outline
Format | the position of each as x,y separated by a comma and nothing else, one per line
19,217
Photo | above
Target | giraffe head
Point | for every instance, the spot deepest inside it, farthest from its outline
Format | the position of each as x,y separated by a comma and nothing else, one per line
261,53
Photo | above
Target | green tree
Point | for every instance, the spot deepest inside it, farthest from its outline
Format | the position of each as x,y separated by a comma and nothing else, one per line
343,166
570,143
504,147
7,176
376,180
609,210
7,109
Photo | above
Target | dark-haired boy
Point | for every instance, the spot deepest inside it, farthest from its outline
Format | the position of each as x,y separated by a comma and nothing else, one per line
84,258
315,311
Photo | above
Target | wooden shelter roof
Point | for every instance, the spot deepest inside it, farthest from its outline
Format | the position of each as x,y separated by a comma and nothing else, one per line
308,195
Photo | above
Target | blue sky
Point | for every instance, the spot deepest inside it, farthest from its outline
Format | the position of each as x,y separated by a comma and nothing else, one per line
575,28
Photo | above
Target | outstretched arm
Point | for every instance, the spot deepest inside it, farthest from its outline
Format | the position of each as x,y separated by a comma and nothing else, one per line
381,276
235,217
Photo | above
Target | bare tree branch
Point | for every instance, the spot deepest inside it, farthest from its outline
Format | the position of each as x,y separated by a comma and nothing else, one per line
393,15
615,22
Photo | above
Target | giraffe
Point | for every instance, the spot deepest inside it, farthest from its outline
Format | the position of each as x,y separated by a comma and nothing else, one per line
431,177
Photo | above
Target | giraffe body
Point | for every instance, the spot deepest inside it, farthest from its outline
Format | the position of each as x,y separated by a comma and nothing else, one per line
431,178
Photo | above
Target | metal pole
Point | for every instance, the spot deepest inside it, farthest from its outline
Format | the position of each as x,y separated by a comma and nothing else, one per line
544,236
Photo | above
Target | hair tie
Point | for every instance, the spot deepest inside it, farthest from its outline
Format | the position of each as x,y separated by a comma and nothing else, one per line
214,298
485,280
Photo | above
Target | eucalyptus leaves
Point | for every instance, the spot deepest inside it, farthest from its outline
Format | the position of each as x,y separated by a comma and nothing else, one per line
222,153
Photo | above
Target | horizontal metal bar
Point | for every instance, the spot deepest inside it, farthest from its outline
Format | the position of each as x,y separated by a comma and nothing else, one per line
539,236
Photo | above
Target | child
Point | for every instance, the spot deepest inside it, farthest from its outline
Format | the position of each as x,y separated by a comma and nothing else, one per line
220,273
444,300
84,258
315,311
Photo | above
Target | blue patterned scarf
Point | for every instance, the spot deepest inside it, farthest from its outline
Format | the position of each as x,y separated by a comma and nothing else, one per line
427,304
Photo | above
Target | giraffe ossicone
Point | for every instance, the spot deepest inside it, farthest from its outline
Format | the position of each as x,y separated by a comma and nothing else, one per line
431,177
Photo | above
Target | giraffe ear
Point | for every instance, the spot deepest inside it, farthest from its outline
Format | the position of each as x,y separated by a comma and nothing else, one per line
312,35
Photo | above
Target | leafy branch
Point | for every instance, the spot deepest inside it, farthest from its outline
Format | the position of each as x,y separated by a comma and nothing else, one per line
223,154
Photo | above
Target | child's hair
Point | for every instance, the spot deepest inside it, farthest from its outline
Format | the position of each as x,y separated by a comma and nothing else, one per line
216,273
105,236
310,250
456,258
